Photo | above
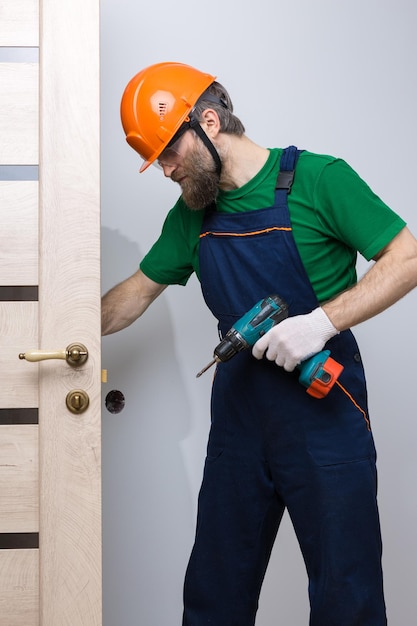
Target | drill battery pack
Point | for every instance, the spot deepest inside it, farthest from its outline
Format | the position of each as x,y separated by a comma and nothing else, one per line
319,373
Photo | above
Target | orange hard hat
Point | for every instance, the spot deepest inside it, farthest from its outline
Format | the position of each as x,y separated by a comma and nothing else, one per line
156,102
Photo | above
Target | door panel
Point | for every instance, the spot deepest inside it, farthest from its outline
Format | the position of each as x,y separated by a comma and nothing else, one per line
19,322
50,473
19,232
19,485
19,23
19,121
19,587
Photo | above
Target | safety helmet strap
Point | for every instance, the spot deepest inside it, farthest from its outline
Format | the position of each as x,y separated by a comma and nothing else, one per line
195,125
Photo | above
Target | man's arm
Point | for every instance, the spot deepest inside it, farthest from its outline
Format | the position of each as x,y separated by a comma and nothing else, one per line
123,304
392,277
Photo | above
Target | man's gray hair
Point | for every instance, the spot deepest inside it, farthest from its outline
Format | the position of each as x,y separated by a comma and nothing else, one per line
217,98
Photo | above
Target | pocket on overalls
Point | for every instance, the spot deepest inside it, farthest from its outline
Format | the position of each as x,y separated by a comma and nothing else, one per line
340,430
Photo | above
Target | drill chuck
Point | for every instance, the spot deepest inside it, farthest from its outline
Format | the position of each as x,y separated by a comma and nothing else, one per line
231,343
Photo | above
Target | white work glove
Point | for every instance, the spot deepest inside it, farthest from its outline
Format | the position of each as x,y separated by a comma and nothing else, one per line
295,339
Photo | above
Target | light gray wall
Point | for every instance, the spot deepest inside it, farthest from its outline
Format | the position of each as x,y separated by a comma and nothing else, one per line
331,76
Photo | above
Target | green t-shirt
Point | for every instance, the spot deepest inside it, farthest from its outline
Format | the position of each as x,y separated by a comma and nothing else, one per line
334,214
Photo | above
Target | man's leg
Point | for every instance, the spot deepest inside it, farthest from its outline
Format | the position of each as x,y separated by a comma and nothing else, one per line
337,525
238,518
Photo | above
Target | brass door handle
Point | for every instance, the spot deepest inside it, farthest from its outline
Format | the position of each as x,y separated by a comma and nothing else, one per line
75,354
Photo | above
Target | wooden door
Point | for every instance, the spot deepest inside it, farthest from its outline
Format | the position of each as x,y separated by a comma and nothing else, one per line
50,470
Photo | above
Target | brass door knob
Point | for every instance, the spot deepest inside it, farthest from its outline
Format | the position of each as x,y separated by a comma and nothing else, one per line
77,401
75,354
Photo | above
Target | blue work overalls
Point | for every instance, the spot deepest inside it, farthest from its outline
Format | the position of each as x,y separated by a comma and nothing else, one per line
272,446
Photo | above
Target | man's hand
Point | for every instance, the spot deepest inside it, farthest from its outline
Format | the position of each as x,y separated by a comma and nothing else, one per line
295,339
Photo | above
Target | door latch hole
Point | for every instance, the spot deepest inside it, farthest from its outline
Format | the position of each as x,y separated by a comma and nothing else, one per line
115,401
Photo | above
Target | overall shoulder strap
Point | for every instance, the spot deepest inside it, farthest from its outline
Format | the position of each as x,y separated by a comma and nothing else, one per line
287,165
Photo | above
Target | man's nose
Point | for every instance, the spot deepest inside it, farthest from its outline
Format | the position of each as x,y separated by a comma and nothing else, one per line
168,169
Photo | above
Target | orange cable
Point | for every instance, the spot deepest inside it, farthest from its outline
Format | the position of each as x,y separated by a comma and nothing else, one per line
355,403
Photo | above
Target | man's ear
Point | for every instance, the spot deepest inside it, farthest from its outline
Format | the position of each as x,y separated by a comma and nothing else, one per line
210,123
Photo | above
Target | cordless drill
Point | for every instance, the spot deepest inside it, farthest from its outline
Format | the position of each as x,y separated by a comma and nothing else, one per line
317,373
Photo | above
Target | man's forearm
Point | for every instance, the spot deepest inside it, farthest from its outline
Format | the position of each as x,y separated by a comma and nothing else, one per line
118,309
123,304
392,277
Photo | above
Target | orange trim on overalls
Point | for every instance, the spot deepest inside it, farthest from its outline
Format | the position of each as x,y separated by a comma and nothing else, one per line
365,417
255,232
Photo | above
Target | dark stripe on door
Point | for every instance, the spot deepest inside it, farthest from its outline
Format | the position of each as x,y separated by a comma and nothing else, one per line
19,416
19,294
19,541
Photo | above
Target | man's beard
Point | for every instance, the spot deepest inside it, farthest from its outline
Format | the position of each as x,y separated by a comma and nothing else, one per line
201,185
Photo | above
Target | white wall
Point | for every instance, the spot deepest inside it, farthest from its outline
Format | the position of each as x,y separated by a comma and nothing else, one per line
332,76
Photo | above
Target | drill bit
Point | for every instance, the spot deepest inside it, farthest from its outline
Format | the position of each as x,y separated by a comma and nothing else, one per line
215,360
